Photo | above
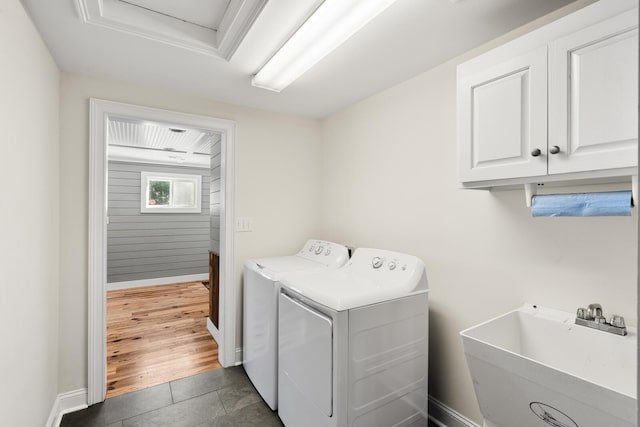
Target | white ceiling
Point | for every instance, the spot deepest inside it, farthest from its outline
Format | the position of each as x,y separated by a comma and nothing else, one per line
153,136
149,142
410,37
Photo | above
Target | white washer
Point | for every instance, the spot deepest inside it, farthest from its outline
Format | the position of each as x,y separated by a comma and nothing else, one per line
353,343
261,287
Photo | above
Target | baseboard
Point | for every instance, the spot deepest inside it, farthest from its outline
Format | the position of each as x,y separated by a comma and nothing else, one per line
53,420
215,333
443,416
239,356
65,403
158,281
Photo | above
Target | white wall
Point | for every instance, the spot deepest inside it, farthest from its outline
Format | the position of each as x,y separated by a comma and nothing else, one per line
389,168
29,82
277,185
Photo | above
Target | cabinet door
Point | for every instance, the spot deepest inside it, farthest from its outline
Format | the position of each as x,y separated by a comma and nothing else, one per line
593,97
502,119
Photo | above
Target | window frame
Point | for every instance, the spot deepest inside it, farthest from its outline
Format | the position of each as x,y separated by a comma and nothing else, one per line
145,177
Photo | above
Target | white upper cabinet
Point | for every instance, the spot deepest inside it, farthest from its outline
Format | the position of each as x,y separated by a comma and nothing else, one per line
593,97
503,119
558,103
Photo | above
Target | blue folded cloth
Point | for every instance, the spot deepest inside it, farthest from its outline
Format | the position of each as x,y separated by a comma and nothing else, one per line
612,203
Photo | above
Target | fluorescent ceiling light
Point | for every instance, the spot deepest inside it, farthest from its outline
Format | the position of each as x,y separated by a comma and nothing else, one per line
330,25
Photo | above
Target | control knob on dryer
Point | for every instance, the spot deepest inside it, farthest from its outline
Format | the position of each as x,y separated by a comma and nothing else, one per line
319,250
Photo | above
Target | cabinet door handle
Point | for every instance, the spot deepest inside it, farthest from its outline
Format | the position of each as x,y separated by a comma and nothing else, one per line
554,150
536,152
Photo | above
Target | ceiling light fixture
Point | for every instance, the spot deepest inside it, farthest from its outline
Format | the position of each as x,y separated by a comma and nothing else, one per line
333,22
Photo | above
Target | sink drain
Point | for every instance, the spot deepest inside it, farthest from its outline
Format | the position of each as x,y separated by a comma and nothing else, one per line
551,415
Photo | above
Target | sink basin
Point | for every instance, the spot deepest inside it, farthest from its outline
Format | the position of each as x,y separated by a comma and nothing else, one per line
533,367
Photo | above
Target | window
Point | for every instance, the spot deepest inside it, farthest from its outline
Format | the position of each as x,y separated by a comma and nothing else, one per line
170,193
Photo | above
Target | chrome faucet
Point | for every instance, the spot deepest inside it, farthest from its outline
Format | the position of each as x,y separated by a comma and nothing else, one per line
594,311
593,317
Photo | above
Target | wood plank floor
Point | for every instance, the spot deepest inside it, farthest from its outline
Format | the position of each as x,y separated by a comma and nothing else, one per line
157,334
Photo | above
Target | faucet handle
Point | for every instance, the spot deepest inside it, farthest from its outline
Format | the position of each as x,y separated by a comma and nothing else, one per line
582,313
595,311
617,321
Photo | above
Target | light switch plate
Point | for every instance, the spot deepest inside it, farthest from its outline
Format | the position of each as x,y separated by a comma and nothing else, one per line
244,224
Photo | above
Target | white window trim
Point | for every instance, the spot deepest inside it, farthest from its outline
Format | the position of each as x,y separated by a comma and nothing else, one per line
144,180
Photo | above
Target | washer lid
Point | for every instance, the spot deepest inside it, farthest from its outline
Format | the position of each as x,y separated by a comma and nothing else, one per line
371,276
275,267
316,254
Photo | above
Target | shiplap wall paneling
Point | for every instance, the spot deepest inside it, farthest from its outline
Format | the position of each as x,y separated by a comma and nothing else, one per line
153,245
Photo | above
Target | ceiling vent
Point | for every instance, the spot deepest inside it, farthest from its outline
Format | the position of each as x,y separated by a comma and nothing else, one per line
214,28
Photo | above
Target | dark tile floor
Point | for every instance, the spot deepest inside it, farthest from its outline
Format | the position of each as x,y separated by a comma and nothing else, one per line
219,398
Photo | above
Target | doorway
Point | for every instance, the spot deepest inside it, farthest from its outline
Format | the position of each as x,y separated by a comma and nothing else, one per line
101,113
163,216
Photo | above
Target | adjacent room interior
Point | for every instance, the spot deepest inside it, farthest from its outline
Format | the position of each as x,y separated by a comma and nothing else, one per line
163,221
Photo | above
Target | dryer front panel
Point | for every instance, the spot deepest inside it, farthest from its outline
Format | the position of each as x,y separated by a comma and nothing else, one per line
306,353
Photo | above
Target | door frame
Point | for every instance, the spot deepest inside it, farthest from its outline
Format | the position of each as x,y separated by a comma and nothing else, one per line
99,113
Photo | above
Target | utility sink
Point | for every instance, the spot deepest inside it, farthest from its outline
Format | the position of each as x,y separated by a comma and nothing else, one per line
534,367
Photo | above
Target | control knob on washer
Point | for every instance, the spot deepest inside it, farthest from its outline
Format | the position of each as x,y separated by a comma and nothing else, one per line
377,262
319,250
392,264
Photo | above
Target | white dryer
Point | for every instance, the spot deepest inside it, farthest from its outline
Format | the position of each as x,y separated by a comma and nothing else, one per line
353,343
261,287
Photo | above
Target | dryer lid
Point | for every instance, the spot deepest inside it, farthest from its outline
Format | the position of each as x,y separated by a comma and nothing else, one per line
371,276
